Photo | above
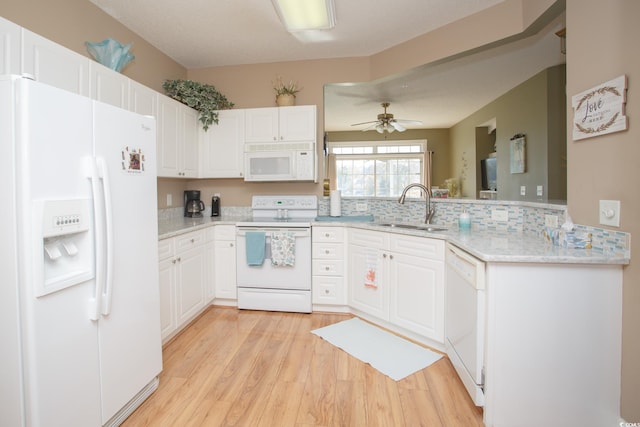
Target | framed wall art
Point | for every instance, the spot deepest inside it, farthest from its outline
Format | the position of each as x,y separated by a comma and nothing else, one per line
600,110
517,154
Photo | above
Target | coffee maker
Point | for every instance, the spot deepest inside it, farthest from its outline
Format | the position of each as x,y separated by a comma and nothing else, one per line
193,206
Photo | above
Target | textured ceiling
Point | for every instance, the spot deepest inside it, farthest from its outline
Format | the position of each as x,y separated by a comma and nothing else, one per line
209,33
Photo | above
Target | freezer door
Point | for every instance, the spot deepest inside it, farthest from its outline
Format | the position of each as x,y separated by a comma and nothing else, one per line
59,351
129,325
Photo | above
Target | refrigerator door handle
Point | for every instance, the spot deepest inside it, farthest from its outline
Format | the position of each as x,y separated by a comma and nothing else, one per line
108,218
95,301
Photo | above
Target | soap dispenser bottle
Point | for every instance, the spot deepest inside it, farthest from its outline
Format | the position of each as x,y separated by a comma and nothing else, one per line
464,222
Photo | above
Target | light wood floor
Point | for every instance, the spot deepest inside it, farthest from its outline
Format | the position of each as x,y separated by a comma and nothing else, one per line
251,368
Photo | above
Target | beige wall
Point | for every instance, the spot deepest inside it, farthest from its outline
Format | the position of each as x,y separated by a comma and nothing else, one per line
602,43
524,109
72,22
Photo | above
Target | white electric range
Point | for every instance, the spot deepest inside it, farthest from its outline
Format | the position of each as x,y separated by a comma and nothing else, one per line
282,281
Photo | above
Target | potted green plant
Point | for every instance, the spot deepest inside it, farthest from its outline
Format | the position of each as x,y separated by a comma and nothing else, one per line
202,97
285,92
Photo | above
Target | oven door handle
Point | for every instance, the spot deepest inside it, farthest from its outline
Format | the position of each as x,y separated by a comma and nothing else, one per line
297,232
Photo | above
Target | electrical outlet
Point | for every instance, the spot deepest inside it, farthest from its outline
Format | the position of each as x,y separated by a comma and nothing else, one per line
361,206
169,200
539,191
523,190
610,212
551,221
500,215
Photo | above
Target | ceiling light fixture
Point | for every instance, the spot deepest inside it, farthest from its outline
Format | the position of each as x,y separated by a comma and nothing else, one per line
303,15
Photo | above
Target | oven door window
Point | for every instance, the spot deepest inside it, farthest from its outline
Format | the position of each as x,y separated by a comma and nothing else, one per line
270,166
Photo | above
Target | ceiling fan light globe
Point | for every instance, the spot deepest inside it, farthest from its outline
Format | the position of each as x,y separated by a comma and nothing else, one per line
379,129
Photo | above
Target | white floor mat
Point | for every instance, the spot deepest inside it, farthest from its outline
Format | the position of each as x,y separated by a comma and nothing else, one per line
393,356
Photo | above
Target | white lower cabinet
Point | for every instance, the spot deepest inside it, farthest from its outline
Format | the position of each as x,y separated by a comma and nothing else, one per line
328,266
182,280
225,265
399,279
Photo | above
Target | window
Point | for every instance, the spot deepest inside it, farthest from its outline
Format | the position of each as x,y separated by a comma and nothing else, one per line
378,169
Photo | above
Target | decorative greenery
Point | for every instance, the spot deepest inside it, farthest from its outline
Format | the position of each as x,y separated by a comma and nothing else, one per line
202,97
285,89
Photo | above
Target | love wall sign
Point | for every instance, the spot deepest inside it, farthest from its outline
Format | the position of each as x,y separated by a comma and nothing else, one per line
600,110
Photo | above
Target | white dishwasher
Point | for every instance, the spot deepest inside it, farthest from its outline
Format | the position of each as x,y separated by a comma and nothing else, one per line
465,319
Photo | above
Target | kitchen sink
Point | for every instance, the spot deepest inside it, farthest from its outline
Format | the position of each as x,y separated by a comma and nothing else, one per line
423,227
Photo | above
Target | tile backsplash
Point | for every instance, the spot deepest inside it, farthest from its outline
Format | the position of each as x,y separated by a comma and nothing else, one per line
486,215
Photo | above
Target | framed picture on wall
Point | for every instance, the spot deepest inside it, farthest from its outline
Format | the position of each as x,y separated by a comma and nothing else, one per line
518,154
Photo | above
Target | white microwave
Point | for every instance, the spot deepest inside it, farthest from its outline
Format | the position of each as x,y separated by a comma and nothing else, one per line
280,162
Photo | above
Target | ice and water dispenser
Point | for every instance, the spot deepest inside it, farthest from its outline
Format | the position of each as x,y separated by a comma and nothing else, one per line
66,238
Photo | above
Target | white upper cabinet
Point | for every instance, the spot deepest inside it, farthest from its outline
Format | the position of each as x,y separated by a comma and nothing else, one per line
9,47
222,146
177,139
280,124
55,65
109,86
143,100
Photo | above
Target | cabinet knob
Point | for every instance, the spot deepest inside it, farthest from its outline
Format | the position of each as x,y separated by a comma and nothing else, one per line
326,291
390,256
179,259
231,244
193,240
384,255
173,261
327,268
327,234
326,251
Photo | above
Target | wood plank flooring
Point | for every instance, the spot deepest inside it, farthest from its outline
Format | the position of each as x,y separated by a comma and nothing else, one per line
252,368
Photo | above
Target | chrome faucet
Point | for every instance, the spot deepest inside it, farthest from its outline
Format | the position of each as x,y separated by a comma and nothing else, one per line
429,210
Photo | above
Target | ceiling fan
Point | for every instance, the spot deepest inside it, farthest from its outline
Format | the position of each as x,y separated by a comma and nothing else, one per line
386,122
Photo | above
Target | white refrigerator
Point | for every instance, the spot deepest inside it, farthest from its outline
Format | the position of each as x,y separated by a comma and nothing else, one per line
79,300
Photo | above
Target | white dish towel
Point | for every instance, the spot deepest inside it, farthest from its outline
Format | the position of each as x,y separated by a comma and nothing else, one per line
283,249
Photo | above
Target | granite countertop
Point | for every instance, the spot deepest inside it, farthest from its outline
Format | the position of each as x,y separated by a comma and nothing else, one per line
488,246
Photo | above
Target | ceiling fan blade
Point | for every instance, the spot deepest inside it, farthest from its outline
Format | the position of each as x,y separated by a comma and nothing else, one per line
409,122
364,123
373,126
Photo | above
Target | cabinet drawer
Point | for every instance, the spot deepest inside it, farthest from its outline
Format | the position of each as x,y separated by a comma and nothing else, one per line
328,234
370,239
225,232
189,240
418,246
165,249
328,267
328,290
328,251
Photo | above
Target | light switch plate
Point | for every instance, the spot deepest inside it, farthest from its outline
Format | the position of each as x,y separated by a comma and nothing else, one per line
610,212
523,190
539,190
169,199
